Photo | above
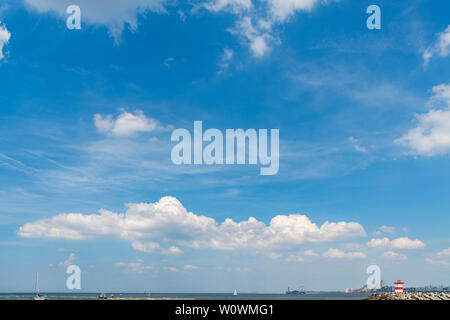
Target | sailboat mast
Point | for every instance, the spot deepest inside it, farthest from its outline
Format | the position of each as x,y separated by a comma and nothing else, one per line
36,288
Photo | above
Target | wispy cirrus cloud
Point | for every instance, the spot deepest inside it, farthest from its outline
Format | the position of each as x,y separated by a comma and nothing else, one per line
255,20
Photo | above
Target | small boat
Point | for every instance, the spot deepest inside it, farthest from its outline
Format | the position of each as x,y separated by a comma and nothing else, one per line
111,297
295,292
235,292
102,296
36,290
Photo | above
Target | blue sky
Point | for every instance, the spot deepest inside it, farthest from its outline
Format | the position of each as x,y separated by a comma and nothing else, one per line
364,120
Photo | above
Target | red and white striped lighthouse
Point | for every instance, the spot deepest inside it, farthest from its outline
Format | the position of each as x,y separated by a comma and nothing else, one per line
399,286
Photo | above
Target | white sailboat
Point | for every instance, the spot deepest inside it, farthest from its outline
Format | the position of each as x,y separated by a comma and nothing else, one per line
36,289
235,292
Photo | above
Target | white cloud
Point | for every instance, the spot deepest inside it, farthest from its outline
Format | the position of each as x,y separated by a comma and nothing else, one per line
154,247
235,6
356,145
256,20
391,255
431,136
281,10
387,229
146,247
170,269
175,250
126,123
69,261
441,258
441,47
305,256
168,221
190,267
182,15
257,38
114,14
134,267
243,270
5,35
225,59
399,243
441,96
384,229
444,253
339,254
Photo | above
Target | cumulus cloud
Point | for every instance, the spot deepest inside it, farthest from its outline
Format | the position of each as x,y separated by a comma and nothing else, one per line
339,254
148,224
190,267
431,136
113,14
399,243
126,123
133,267
441,47
5,35
392,255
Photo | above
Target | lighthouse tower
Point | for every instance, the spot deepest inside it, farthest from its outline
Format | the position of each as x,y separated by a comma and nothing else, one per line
399,286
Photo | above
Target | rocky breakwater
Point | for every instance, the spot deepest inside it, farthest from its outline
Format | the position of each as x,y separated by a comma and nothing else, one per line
410,296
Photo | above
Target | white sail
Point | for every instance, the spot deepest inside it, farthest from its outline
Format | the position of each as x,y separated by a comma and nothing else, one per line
36,289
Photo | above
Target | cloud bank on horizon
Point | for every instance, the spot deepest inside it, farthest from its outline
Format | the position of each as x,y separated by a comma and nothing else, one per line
168,221
157,227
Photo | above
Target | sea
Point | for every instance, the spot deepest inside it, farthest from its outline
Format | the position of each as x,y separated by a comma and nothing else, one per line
187,296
